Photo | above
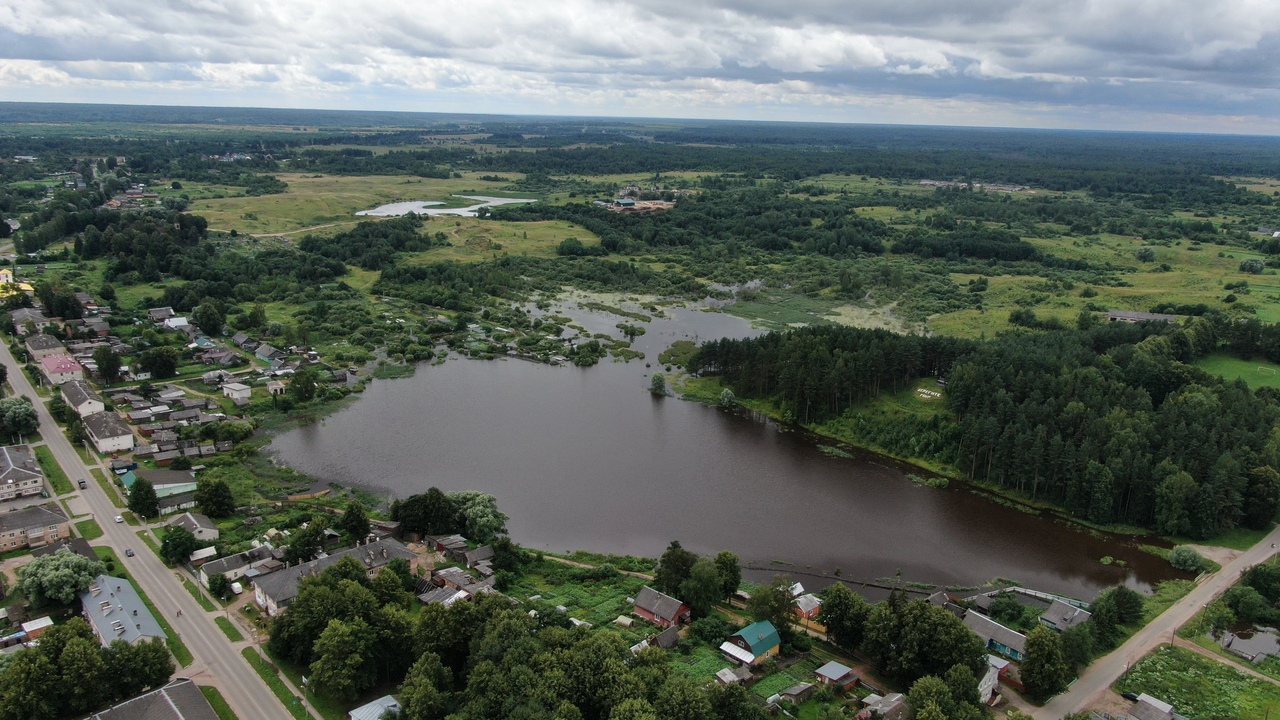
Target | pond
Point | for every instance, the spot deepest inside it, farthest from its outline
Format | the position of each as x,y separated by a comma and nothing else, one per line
426,207
587,458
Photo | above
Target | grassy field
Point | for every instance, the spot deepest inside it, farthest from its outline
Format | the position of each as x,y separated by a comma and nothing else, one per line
269,675
473,239
108,488
229,629
218,703
1256,373
89,529
53,471
313,200
1200,688
200,597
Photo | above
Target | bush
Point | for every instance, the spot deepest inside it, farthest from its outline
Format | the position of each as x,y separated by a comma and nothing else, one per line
1186,559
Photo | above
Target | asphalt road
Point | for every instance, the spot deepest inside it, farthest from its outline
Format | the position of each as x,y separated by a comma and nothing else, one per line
213,651
1106,670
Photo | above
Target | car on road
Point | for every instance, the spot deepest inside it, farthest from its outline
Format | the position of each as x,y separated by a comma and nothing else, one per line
119,518
128,552
83,484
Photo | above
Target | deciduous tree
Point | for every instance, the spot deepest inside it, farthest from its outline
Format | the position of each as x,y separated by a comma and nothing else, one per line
142,499
58,577
1044,669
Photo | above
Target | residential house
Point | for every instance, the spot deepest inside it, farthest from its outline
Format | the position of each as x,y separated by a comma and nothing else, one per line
234,566
177,503
237,391
79,546
33,527
752,644
444,596
160,314
808,606
22,316
1061,616
239,339
81,398
181,699
1149,708
276,591
266,353
20,474
836,675
199,525
59,369
989,683
116,612
98,327
888,707
375,710
995,636
1136,317
108,432
216,377
41,346
660,609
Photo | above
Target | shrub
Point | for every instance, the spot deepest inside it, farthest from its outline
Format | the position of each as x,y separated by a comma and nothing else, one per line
1186,559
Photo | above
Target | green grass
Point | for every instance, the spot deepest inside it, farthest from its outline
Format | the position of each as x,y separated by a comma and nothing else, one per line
229,629
1236,538
53,471
218,703
89,529
108,488
701,664
269,675
1167,593
1200,688
200,597
1256,373
130,518
145,537
85,455
328,709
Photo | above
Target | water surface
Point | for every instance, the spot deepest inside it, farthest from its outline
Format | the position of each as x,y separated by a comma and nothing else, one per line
425,207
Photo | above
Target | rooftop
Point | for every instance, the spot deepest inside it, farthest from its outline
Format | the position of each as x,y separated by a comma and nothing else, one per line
117,612
78,392
106,424
282,586
179,700
33,516
60,364
42,341
661,605
17,464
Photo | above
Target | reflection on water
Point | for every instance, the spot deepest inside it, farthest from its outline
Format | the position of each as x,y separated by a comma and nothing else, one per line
587,458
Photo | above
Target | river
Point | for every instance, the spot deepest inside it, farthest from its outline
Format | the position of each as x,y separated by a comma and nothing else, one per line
587,458
427,207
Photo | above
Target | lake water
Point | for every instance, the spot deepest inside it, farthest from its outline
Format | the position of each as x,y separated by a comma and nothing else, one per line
426,207
587,458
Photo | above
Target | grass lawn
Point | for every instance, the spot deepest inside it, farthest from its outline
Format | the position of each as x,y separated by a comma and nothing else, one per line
1200,688
229,629
219,703
89,529
107,488
199,596
53,471
700,665
155,548
1256,373
269,675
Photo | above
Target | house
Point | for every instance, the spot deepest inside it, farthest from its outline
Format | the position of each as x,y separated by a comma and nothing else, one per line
668,638
22,316
177,503
274,592
1061,616
1135,317
33,527
81,398
660,609
889,707
237,391
160,314
733,676
275,387
808,606
239,339
35,628
41,346
181,699
116,612
98,327
797,694
989,683
216,377
108,432
1149,708
835,675
20,474
376,709
79,546
266,353
196,524
995,636
234,566
752,644
61,368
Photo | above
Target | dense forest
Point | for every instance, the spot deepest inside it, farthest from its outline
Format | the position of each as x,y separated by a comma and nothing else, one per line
1111,423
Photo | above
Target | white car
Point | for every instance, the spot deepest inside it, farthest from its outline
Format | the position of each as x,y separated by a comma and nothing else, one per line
120,518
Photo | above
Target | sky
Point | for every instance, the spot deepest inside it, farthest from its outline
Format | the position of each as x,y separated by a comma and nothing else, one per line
1166,65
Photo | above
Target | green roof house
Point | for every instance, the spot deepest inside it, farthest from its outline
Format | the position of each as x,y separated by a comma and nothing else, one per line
752,644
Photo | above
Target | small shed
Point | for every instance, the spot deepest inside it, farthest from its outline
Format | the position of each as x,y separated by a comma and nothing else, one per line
237,391
376,709
797,694
837,675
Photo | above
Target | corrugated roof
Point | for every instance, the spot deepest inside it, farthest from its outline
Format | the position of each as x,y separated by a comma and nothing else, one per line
662,606
988,629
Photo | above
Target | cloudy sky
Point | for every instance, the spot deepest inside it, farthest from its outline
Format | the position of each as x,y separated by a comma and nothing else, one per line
1181,65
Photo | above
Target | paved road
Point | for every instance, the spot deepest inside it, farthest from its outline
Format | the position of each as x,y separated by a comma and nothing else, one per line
214,654
1106,670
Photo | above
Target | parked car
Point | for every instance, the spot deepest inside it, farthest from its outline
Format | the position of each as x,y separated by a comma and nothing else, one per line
237,588
119,518
1130,696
